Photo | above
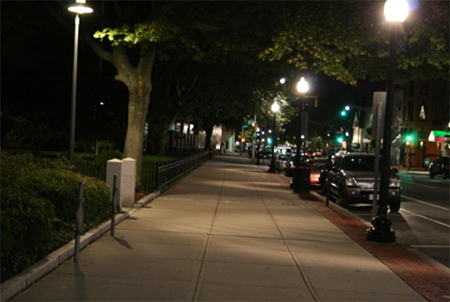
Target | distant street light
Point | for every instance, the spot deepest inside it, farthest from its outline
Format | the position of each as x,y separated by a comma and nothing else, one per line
275,108
302,88
79,8
395,12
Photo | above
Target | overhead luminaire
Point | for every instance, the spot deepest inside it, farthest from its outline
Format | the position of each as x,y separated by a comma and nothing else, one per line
80,8
302,85
275,107
396,10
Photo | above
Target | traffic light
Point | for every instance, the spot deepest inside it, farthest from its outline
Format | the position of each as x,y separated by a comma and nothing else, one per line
345,111
409,138
408,135
339,137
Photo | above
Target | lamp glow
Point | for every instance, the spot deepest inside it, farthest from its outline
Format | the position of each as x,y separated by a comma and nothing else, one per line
302,85
275,107
80,8
396,10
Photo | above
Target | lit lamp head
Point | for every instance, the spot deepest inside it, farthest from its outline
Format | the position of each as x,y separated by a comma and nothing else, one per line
275,107
396,10
302,85
80,8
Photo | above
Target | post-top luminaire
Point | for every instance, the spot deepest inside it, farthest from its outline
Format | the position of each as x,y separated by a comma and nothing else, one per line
396,10
275,107
80,8
302,85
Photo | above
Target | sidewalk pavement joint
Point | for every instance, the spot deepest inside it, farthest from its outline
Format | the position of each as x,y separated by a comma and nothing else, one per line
189,253
427,277
29,276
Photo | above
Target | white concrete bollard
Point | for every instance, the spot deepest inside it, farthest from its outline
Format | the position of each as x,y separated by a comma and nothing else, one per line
126,178
114,166
128,182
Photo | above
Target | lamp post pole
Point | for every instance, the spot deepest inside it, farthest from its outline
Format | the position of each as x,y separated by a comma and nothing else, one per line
275,108
73,107
302,88
78,9
381,230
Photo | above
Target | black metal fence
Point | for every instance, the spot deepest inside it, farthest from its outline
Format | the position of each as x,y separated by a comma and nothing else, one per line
149,176
170,172
154,175
90,168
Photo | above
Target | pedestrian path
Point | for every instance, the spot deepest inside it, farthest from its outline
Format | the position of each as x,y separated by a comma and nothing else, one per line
226,232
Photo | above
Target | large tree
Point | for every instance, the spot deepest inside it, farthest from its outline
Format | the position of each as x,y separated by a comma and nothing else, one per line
135,34
342,39
349,40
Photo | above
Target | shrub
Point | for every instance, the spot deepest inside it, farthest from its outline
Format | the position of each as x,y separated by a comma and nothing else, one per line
104,156
39,204
26,231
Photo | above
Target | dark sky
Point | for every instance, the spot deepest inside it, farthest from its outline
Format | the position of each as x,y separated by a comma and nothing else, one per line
37,57
37,65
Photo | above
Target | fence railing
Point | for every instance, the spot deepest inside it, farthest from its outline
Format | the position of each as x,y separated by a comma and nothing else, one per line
90,168
154,176
149,175
170,172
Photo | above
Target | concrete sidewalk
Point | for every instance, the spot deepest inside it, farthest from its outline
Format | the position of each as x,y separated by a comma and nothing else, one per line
227,232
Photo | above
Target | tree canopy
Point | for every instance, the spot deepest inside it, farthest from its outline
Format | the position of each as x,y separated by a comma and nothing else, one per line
349,40
219,61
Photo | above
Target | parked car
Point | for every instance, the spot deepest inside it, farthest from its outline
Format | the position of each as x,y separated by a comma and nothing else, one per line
439,166
282,162
290,168
316,165
351,180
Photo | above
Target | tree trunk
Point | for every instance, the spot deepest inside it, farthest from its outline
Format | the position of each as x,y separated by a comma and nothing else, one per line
208,131
139,83
138,102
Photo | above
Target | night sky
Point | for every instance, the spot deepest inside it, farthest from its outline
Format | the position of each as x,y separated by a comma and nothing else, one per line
37,58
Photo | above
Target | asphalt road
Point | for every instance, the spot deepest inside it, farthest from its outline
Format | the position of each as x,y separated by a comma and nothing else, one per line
423,221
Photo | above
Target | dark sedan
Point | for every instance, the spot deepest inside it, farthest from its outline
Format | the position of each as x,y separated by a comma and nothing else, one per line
439,166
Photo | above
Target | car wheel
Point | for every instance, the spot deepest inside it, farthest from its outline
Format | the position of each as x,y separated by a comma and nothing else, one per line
342,201
394,206
431,174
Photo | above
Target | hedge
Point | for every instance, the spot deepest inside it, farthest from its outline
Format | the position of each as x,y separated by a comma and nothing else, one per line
38,208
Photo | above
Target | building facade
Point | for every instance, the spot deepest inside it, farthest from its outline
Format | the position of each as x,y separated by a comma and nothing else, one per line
423,112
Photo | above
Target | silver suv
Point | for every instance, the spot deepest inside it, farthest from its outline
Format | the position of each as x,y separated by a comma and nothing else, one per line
350,180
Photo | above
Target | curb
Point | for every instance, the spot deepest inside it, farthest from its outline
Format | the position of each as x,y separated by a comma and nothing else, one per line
427,277
52,261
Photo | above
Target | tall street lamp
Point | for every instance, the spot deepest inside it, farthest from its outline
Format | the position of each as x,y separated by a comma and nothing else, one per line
395,12
302,88
79,8
275,108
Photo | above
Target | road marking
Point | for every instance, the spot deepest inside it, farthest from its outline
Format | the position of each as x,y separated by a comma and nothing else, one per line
426,203
426,218
431,246
416,184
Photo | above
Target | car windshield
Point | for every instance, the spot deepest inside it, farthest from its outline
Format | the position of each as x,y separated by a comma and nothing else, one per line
318,164
363,163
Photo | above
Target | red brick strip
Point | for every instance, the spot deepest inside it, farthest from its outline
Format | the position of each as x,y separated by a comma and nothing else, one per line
429,280
422,275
